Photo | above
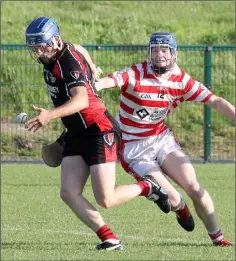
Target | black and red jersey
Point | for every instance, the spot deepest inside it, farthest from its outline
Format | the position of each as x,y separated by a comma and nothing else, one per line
70,69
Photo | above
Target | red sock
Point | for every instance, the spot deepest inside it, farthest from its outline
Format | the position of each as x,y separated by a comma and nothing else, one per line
216,236
145,188
105,233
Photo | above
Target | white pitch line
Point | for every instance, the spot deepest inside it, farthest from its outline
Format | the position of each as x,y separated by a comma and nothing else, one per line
75,232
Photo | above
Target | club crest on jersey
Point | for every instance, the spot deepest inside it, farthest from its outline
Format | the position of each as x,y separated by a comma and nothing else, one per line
75,74
202,87
109,138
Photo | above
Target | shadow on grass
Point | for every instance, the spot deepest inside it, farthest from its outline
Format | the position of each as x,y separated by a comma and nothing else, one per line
171,244
21,245
31,185
53,245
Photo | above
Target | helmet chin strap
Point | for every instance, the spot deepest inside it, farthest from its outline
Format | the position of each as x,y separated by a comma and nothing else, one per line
161,70
57,46
45,60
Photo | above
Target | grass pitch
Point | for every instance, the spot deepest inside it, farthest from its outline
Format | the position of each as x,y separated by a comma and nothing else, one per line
37,225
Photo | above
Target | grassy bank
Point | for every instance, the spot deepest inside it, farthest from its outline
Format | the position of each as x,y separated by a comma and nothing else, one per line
114,22
126,22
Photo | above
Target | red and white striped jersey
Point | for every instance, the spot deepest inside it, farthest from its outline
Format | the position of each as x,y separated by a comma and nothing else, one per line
146,100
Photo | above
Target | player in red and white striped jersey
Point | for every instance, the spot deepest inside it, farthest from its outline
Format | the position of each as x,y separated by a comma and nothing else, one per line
149,92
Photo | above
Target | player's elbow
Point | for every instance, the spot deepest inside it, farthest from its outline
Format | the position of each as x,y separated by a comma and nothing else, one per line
84,103
81,101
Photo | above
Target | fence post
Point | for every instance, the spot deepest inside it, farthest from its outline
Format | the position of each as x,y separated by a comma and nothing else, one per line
207,110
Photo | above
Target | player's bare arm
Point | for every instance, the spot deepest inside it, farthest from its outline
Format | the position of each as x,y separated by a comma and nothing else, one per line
222,106
78,102
105,83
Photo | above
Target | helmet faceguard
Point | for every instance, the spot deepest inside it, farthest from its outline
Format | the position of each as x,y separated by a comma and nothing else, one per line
41,33
163,39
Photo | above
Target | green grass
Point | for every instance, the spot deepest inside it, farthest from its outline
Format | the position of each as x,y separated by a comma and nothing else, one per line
37,225
129,22
126,22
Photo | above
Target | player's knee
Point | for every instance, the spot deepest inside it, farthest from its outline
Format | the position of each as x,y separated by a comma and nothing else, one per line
64,195
195,191
105,202
67,195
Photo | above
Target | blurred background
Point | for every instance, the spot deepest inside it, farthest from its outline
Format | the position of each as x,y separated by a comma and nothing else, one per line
116,35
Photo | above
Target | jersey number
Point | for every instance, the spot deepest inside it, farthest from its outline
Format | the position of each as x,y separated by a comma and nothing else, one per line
160,95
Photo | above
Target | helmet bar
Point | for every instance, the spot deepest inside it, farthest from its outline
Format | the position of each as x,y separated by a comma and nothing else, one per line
41,33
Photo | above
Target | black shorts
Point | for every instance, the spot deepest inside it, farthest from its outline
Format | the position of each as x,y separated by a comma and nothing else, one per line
98,144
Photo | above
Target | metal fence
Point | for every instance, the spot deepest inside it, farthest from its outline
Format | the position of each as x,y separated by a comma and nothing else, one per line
204,135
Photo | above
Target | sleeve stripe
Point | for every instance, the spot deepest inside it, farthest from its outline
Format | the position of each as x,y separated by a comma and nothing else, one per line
207,98
195,95
114,78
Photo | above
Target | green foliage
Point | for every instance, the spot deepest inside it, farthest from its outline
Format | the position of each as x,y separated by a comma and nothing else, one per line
122,22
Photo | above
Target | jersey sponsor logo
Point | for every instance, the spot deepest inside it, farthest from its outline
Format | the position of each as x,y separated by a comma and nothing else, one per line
52,90
142,113
49,77
75,74
109,138
156,115
52,78
148,96
145,96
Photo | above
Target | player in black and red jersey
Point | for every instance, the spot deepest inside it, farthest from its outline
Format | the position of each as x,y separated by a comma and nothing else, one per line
90,146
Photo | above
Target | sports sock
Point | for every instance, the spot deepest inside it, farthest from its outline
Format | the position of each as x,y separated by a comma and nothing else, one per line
105,233
216,235
181,206
145,188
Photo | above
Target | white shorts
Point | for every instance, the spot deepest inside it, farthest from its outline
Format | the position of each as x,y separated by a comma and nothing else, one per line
140,157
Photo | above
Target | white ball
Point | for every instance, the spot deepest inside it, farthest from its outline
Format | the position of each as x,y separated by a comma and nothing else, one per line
22,117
